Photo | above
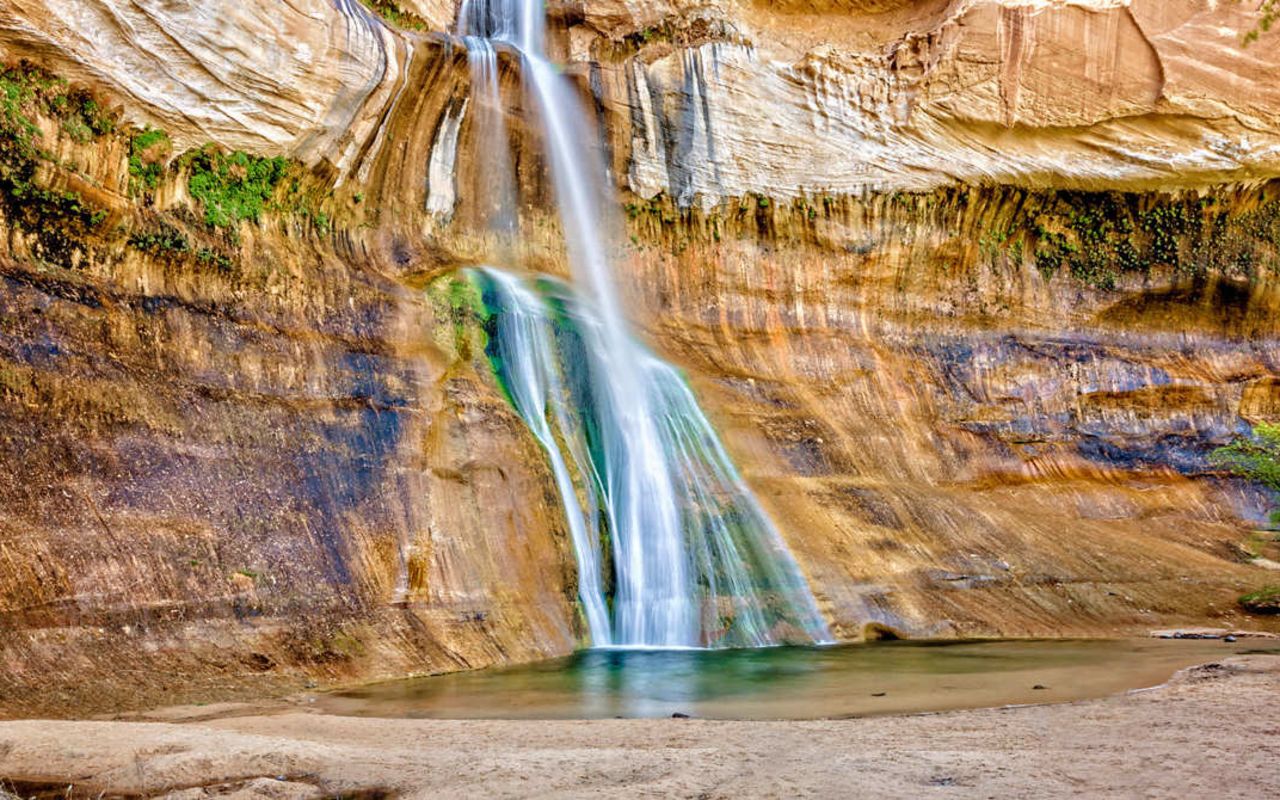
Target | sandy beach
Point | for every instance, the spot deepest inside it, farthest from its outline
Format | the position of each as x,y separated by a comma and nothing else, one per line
1213,730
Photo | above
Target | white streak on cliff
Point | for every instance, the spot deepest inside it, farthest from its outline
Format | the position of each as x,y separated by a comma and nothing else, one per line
442,191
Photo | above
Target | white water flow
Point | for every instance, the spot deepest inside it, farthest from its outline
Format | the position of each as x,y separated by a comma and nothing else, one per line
496,179
694,560
525,349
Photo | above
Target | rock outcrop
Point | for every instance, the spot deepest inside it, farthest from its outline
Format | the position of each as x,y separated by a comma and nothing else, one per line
307,78
1083,95
971,288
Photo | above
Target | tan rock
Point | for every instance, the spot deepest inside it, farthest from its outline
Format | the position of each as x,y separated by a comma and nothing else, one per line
1089,94
305,78
439,15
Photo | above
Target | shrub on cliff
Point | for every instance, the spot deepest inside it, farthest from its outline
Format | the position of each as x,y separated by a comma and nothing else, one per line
1268,15
148,151
233,187
1256,457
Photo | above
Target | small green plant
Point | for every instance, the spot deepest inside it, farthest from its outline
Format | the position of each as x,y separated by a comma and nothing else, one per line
16,95
98,119
1255,457
147,153
993,243
77,130
653,33
212,258
1164,225
395,15
1268,13
163,240
233,187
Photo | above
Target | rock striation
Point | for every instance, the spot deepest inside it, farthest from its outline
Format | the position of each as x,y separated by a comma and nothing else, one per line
308,78
1084,95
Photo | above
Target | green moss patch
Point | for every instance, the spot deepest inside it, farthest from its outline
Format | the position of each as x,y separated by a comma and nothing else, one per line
459,299
58,216
232,187
162,240
392,13
1255,457
1097,237
148,152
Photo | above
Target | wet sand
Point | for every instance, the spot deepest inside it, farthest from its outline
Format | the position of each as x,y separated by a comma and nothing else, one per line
1212,731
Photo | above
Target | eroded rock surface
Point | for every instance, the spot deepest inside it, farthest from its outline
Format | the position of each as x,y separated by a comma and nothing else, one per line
1086,94
304,78
951,436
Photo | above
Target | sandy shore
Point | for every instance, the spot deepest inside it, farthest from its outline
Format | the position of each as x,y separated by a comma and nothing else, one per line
1213,731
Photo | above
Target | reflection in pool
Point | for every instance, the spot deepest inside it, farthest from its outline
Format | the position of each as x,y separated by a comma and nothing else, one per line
786,682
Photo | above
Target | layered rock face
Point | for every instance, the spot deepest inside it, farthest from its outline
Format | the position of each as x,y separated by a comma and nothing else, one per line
958,444
239,460
821,98
287,467
299,77
976,400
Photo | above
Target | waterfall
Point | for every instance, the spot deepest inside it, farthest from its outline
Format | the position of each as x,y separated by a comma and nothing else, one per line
496,182
525,349
695,561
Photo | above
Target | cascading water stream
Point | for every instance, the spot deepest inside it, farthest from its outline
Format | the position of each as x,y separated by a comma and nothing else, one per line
525,347
496,180
695,561
548,344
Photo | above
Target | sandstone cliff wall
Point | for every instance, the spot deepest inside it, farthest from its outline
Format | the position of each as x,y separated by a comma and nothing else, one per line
977,398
